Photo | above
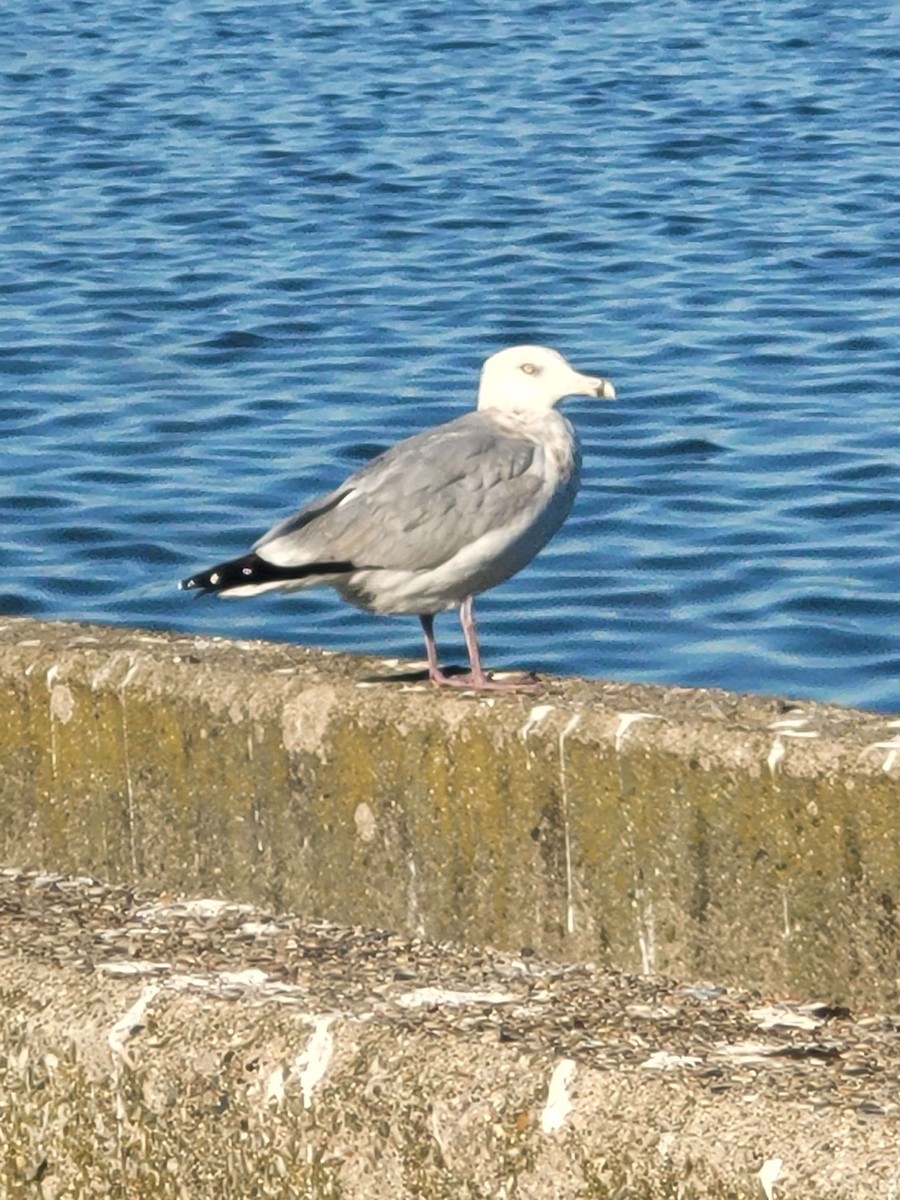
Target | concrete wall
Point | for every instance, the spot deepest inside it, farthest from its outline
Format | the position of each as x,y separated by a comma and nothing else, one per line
695,833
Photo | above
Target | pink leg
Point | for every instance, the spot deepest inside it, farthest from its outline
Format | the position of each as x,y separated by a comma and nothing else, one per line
477,679
435,674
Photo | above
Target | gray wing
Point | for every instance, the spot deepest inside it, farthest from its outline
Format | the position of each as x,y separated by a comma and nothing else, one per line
415,506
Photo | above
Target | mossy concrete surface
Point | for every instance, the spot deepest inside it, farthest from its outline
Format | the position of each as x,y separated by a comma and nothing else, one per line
692,832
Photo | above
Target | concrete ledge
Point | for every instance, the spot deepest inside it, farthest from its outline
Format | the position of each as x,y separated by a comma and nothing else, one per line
694,833
154,1047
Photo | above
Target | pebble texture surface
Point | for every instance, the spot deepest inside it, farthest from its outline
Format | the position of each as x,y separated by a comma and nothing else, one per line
154,1044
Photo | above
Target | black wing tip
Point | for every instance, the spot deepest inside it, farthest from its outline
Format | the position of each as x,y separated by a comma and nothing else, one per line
195,584
251,569
237,572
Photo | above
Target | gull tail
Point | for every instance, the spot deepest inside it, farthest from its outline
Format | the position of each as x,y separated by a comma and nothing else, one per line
251,574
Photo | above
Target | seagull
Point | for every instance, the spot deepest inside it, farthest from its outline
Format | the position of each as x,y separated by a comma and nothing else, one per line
442,516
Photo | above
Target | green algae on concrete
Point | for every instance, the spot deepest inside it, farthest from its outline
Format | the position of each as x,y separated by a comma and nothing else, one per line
692,832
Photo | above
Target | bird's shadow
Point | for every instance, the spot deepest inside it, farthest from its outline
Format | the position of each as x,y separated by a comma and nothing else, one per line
408,676
527,682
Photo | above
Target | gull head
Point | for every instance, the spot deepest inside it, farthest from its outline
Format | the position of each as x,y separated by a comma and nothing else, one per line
534,379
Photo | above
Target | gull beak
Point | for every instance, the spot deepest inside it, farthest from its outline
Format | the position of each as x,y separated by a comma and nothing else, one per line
599,387
605,389
592,385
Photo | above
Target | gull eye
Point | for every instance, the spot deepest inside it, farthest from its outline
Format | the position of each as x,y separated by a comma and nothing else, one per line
529,368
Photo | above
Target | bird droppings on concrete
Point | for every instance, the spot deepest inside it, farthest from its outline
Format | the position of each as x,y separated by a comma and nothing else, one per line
627,719
559,1102
434,997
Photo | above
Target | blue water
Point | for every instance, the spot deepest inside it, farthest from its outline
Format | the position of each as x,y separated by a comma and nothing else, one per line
245,245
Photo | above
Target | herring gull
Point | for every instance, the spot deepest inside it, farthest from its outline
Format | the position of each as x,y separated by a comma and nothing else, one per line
442,516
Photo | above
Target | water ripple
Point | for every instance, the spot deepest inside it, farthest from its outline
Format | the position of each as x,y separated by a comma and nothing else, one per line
247,246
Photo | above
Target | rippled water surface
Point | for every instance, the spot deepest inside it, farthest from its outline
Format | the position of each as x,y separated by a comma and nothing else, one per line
248,244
